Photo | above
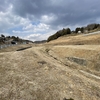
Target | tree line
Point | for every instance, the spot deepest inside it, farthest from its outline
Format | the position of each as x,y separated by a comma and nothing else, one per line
59,33
77,30
12,39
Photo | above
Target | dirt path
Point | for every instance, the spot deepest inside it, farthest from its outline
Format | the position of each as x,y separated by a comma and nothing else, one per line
91,75
85,47
61,66
41,52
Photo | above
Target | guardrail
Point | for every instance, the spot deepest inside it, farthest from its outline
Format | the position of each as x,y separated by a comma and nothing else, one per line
7,45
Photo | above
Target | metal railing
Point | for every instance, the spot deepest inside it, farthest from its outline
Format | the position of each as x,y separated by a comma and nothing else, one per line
7,45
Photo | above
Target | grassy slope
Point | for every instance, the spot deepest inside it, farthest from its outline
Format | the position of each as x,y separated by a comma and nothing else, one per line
78,40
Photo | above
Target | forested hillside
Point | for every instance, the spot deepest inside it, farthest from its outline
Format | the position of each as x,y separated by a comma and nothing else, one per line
12,40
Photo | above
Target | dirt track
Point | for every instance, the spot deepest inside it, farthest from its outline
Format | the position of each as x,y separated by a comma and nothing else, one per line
40,73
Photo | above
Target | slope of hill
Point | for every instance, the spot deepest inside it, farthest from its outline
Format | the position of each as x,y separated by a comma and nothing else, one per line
90,38
86,29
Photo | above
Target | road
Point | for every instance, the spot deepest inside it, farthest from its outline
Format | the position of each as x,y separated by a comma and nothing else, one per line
97,32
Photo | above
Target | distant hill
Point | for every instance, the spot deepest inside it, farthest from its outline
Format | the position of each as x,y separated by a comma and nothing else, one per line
13,40
92,38
38,42
89,28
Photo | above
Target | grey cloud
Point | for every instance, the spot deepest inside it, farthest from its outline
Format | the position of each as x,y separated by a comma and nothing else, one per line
54,13
67,12
4,4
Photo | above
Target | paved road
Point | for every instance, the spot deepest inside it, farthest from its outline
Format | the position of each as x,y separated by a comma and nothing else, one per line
98,32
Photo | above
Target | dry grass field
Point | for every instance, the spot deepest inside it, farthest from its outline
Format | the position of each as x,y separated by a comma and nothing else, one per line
81,39
52,71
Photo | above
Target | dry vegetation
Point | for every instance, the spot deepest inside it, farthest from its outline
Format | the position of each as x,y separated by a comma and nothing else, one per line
49,72
81,39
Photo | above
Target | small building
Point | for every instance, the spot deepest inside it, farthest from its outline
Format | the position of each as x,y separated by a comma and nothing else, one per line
79,32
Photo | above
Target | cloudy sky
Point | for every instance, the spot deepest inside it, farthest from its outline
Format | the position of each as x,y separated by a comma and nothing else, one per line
38,19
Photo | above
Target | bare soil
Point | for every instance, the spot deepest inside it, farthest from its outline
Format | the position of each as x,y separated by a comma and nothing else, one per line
50,72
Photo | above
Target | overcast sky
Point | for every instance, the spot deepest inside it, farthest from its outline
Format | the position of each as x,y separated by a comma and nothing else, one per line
38,19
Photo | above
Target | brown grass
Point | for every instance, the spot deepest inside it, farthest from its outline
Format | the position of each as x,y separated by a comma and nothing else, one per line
77,40
43,72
